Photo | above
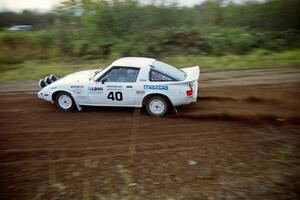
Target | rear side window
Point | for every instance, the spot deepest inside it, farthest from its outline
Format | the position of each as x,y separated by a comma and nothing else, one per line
157,76
169,71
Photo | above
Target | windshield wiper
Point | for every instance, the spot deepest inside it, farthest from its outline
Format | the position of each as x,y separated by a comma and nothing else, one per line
95,73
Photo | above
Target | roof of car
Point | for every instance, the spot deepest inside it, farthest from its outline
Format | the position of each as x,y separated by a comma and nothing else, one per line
133,62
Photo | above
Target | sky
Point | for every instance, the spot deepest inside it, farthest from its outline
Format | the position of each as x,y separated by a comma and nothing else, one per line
45,5
17,5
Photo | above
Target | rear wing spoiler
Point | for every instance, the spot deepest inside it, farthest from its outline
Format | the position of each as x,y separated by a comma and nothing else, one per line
192,73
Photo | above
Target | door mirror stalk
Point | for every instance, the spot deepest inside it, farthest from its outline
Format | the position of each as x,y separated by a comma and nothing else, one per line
103,81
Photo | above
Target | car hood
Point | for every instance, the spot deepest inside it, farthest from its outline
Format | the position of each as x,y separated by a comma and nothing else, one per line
77,77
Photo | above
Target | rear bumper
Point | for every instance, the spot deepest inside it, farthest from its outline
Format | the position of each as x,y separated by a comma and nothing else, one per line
191,99
184,100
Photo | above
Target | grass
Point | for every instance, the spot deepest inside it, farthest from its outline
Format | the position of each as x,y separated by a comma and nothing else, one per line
258,58
35,69
287,156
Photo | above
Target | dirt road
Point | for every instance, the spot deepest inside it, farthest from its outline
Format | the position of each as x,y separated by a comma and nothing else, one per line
239,141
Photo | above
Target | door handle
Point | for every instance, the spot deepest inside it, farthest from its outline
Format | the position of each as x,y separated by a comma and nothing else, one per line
128,86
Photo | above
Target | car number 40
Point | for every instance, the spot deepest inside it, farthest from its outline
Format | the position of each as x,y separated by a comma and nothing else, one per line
118,96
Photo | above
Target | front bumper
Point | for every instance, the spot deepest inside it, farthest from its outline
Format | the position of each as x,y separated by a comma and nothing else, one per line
40,95
46,96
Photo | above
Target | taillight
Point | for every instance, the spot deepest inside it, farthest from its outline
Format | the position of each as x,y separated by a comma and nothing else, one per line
190,91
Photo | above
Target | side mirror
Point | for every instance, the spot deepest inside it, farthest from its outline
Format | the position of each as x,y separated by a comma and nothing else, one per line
103,81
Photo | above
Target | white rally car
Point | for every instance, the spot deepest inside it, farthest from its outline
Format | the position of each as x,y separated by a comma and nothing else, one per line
127,82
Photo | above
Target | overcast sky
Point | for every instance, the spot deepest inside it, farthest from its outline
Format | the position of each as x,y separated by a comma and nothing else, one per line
45,5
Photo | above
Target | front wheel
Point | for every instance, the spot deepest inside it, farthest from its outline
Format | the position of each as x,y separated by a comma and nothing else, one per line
64,101
157,106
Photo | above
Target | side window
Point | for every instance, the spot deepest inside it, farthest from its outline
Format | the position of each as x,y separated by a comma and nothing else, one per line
157,76
122,74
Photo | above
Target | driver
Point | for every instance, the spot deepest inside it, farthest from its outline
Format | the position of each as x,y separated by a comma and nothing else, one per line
131,74
127,75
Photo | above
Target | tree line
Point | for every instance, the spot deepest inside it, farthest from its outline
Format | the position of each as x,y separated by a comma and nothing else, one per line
99,28
266,15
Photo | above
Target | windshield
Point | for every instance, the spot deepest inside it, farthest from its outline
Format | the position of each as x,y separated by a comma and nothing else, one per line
169,70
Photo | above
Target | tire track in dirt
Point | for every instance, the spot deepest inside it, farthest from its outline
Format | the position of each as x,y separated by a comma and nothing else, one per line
233,137
249,99
82,158
8,155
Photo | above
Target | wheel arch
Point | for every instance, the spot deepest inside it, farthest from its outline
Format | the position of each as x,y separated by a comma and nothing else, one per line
54,94
148,96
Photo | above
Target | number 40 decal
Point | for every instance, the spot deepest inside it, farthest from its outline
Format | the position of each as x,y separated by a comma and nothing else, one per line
115,96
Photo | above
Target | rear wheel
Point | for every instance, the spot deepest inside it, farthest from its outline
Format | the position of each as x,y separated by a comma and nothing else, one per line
64,101
157,106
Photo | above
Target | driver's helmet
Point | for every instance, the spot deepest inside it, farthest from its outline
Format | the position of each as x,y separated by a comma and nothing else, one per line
131,74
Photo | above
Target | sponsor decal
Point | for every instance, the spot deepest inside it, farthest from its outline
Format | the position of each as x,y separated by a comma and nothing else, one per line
114,87
156,87
76,86
95,89
140,92
77,90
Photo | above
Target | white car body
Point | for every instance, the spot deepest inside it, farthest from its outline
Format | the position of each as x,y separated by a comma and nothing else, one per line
87,89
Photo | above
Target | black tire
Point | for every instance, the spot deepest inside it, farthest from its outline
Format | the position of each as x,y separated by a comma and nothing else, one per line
162,111
61,107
